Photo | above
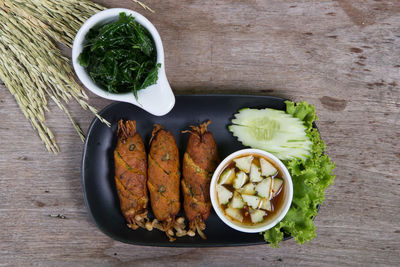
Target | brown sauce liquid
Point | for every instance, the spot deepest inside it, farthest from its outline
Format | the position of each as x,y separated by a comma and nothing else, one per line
276,202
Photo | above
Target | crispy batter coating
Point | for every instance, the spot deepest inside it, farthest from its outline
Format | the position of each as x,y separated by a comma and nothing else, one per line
199,162
131,174
164,178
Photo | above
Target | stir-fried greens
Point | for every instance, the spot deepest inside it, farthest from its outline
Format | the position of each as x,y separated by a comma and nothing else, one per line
121,56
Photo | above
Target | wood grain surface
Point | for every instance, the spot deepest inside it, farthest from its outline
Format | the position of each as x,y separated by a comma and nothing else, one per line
342,56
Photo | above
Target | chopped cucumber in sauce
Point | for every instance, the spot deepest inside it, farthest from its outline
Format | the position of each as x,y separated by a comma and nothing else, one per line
234,213
264,187
255,174
244,163
265,204
252,201
267,169
223,194
257,215
240,180
227,176
248,189
247,197
277,184
237,201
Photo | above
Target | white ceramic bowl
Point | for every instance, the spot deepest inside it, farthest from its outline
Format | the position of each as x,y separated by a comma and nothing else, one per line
270,222
157,99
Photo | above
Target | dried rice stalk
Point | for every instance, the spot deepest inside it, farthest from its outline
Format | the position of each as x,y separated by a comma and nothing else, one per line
143,5
32,67
60,20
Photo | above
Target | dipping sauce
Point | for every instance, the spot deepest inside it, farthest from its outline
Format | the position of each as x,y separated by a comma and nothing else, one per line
250,190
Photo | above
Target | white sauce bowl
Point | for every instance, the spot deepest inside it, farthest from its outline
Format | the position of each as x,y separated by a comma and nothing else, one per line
287,198
157,99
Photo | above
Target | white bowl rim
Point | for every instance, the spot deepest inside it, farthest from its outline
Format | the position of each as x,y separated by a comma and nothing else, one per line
284,209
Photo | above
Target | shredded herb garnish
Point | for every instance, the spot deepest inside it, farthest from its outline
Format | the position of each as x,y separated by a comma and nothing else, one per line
161,189
165,157
121,56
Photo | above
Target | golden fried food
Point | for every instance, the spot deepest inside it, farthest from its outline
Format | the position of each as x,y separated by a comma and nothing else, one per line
164,179
199,162
131,174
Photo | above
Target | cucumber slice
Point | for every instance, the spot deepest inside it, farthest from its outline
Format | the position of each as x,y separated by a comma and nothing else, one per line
227,176
252,201
272,130
267,169
237,201
255,175
223,194
265,204
257,216
277,184
248,189
240,180
244,163
234,214
264,187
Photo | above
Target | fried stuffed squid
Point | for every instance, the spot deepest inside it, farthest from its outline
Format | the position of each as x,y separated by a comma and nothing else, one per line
131,175
164,182
199,162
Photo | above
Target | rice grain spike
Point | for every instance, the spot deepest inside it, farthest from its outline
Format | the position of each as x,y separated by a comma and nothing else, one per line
143,5
34,69
60,21
34,116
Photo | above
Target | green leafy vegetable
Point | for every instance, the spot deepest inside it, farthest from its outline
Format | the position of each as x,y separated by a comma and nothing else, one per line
311,176
121,56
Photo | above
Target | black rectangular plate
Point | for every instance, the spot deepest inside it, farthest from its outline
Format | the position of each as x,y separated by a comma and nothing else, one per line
99,190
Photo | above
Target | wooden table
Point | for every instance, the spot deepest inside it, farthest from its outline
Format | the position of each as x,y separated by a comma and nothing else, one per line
342,56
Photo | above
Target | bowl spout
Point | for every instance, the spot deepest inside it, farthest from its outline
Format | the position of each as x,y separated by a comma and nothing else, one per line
157,99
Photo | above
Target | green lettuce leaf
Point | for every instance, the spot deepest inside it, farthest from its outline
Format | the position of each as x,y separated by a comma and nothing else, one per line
310,179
